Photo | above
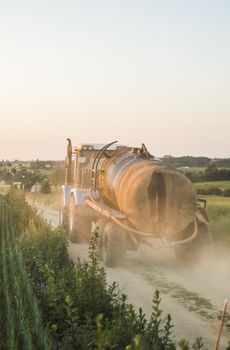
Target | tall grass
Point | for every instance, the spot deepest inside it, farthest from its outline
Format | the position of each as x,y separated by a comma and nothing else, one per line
22,326
218,209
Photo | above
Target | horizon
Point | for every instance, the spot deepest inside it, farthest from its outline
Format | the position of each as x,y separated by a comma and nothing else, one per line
62,160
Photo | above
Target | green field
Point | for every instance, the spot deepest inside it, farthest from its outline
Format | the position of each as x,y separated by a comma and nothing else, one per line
187,169
223,185
217,201
218,209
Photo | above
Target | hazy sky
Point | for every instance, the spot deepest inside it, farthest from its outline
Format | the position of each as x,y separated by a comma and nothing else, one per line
152,71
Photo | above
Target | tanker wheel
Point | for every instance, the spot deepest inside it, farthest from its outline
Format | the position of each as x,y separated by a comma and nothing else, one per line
192,252
113,245
100,227
79,227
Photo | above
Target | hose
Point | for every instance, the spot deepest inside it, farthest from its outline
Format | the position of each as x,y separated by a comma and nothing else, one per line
167,245
105,212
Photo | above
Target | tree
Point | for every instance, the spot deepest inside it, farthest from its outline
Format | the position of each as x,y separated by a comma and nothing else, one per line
45,186
57,177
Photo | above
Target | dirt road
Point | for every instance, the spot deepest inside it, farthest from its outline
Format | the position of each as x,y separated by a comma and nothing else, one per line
193,296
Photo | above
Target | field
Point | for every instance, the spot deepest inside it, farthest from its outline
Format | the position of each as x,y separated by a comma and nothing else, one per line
218,209
223,203
192,169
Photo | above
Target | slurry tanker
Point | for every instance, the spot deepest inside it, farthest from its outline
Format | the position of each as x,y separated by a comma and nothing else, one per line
130,198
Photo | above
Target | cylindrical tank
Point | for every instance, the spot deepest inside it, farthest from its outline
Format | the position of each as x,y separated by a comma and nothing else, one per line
156,198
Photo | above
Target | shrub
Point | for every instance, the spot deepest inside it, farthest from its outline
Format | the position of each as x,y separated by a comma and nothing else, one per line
45,186
71,298
201,191
215,191
226,193
20,210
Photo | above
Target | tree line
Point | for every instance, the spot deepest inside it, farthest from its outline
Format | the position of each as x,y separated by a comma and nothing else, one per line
211,173
189,161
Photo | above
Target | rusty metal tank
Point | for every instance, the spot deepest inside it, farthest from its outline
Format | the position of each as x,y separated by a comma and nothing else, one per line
156,198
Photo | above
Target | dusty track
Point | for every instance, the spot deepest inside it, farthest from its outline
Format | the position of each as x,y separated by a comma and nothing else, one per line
192,295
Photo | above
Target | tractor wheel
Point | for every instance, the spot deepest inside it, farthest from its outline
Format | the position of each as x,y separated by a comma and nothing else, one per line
100,227
79,226
63,218
113,245
192,252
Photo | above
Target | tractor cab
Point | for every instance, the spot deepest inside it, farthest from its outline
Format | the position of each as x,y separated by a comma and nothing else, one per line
80,169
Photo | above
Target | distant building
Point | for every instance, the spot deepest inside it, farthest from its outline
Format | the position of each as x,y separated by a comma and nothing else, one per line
36,188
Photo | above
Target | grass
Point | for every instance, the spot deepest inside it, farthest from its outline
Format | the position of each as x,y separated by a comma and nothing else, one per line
218,209
51,200
217,201
4,189
223,185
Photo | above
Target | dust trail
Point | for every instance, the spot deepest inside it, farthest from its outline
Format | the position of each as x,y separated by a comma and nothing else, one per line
200,288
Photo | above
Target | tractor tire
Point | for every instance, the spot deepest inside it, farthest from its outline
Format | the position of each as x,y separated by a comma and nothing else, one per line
100,227
63,218
113,245
75,234
79,226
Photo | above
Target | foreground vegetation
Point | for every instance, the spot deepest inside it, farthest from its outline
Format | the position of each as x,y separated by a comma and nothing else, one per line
49,303
21,322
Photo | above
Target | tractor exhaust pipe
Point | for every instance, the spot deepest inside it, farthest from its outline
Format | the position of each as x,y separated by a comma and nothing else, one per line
68,163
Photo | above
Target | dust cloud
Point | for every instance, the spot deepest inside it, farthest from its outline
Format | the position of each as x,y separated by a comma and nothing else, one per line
192,293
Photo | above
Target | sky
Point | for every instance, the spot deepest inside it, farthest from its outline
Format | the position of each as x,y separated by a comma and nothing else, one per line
150,71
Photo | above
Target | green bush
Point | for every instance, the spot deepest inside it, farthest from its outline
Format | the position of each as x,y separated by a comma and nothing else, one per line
215,191
20,210
45,186
71,298
201,191
226,193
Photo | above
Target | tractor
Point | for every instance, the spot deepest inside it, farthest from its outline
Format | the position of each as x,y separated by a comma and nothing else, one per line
131,197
